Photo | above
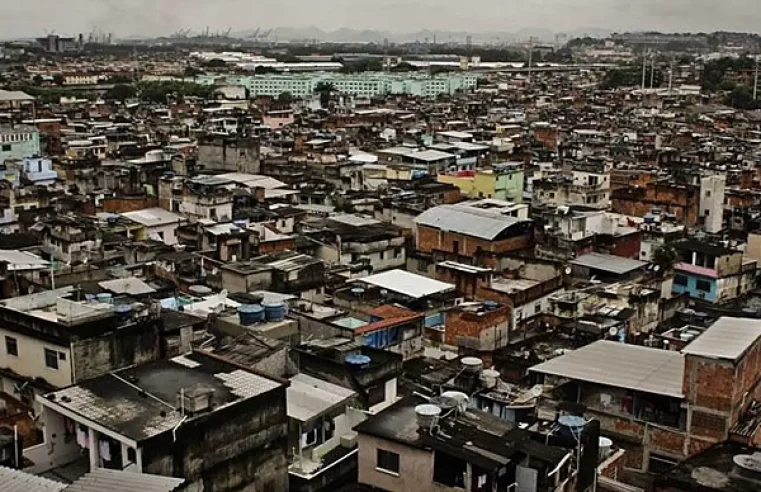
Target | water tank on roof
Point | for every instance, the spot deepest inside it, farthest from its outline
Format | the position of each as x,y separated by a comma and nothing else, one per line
357,291
571,426
489,378
472,364
275,311
748,466
357,361
427,415
491,305
459,398
605,445
200,290
123,311
105,298
250,314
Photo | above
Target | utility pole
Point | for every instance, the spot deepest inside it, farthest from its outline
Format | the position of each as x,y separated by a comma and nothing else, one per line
671,75
530,57
644,68
652,73
755,79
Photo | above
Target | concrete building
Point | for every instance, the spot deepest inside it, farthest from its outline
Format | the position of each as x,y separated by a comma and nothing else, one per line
52,340
473,230
712,272
158,224
18,143
672,404
196,417
581,184
371,84
502,182
712,202
401,451
348,240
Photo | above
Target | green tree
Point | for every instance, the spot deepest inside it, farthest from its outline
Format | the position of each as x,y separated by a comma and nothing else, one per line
741,97
215,63
192,72
664,256
263,69
285,98
59,79
38,79
325,90
121,92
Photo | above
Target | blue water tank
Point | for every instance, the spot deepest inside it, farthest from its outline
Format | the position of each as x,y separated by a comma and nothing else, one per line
357,361
491,305
275,311
250,314
123,311
105,298
571,425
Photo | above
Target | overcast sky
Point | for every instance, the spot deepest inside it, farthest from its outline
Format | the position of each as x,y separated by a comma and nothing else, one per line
150,17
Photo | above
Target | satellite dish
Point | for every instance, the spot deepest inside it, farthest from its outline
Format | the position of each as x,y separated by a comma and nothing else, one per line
613,331
537,391
568,270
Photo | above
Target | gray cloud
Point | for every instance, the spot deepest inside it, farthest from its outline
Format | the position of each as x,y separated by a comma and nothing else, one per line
150,17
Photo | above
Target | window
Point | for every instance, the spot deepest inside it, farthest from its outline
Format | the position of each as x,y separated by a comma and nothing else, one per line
7,148
309,438
659,464
708,194
680,280
703,285
11,346
51,359
387,462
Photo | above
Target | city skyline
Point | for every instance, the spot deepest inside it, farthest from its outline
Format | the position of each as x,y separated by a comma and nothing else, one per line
162,17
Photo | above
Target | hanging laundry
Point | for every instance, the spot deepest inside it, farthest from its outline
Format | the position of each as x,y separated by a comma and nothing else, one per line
82,437
105,450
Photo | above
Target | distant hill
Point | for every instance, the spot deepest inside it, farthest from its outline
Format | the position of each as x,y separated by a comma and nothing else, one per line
349,35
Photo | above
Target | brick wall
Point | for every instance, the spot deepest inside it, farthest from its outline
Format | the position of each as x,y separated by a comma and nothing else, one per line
430,240
460,323
123,205
681,201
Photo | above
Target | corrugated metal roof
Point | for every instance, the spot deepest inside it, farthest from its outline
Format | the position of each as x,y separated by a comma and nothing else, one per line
622,366
310,397
466,220
608,263
407,283
728,338
102,480
8,96
18,481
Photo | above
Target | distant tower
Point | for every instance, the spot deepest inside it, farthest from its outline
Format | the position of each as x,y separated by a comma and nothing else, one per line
469,44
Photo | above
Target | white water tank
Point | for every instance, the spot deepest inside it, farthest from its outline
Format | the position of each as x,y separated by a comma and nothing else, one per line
472,364
427,415
460,398
489,378
605,445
